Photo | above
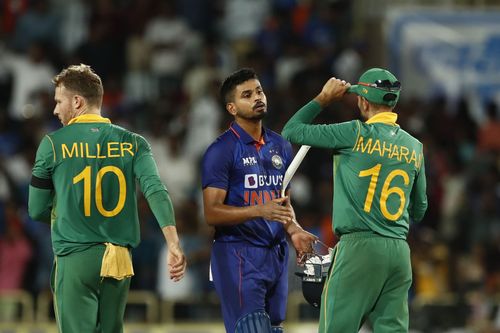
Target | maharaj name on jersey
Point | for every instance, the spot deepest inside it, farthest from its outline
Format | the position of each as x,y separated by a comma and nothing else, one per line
392,151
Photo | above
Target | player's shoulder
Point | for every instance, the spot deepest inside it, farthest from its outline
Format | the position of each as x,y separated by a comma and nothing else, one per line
277,138
122,130
410,137
126,133
58,134
227,140
274,135
221,149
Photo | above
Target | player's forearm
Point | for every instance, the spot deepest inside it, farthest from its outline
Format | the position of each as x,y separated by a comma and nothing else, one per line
297,128
292,226
418,206
171,236
40,204
419,196
221,214
162,208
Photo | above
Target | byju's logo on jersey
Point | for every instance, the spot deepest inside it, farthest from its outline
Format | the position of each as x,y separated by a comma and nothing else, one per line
251,181
254,181
248,161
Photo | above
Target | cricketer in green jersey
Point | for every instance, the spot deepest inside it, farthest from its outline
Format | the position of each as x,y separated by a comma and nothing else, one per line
84,184
379,185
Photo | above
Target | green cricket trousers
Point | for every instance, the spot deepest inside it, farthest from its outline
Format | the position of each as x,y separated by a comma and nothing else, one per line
369,280
84,302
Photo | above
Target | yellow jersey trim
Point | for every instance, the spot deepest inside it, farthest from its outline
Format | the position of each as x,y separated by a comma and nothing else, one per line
388,118
89,118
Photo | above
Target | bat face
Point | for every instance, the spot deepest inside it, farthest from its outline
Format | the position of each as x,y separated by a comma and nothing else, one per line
293,167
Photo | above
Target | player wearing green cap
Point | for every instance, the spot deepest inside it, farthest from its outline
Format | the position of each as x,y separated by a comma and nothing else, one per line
379,185
84,184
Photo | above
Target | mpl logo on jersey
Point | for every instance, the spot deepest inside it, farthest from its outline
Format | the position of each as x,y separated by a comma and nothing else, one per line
255,181
249,161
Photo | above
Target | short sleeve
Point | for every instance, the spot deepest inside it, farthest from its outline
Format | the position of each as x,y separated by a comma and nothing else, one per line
216,165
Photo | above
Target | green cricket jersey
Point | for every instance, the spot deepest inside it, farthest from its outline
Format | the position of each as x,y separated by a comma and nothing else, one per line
85,175
379,174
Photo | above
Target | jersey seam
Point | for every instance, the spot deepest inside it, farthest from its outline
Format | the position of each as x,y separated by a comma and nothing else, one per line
421,156
357,137
53,148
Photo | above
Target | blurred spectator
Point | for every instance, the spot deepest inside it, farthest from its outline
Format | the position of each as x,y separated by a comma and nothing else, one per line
204,118
32,75
454,197
170,39
348,64
75,17
12,9
199,14
38,24
241,22
489,132
288,64
15,254
140,84
145,256
103,51
177,171
10,140
194,238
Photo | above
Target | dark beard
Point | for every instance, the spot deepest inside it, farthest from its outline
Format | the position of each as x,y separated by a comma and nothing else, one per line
255,117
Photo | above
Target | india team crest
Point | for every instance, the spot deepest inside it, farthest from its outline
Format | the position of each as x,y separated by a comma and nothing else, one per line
277,161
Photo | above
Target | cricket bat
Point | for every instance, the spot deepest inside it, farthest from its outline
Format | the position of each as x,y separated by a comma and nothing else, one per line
299,157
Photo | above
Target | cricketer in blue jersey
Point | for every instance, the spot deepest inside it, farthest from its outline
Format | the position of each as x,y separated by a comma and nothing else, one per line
242,175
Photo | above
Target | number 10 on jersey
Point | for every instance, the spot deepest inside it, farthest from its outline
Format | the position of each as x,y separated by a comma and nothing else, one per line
86,177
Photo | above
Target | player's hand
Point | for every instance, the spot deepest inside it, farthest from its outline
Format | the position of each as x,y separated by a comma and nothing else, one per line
303,243
176,262
277,210
333,90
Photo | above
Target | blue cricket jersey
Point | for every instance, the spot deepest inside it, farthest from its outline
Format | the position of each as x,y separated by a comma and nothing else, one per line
252,173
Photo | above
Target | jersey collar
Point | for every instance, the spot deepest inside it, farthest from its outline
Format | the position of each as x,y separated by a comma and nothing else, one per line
388,118
245,137
89,118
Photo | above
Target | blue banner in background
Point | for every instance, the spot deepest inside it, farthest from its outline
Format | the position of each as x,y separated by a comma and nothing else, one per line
446,53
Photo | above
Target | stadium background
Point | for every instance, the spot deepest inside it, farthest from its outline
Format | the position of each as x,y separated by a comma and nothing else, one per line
161,63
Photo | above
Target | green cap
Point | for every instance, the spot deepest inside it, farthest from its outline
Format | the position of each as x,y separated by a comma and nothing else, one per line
378,86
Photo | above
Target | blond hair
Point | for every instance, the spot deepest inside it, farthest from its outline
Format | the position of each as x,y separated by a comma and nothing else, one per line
82,80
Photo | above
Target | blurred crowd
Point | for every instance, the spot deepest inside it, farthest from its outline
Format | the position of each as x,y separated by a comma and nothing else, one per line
162,61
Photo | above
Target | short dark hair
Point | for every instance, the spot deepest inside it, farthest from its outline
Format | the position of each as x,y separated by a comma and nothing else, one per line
82,80
236,78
